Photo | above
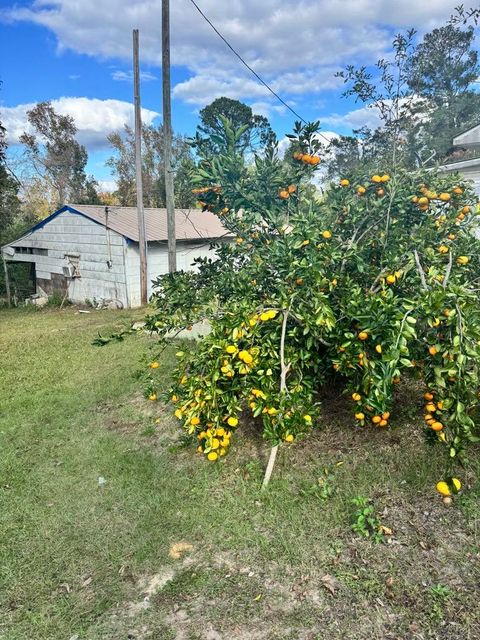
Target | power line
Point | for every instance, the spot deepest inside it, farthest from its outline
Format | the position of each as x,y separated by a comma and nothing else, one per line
250,68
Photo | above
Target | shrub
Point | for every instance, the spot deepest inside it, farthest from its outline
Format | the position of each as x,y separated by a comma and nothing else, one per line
373,281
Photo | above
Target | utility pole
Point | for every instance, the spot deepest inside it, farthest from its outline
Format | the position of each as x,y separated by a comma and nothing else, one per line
167,136
138,167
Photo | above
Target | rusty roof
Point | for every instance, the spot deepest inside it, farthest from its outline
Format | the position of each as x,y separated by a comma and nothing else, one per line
190,224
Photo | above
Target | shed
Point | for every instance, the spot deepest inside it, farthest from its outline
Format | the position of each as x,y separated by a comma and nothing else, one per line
91,252
465,157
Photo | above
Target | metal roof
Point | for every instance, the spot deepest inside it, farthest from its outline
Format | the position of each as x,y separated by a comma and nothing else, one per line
190,224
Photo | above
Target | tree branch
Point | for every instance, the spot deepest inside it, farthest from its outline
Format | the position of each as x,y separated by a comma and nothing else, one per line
421,272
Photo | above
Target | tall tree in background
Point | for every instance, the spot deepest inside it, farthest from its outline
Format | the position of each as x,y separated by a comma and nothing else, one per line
443,70
424,96
208,139
123,166
56,155
9,202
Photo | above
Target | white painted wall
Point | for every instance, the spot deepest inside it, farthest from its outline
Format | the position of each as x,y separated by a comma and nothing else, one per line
157,263
73,233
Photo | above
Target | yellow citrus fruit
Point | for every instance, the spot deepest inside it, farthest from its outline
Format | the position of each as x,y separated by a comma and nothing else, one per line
154,365
430,407
378,348
360,416
307,418
442,488
363,335
385,415
376,178
361,190
232,421
458,190
215,443
444,197
442,249
327,234
423,200
376,419
289,438
385,177
436,426
291,188
195,420
152,396
213,455
344,182
356,397
432,350
231,348
383,423
283,193
390,279
428,396
463,260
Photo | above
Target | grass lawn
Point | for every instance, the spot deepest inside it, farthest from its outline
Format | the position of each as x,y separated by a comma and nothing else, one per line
170,547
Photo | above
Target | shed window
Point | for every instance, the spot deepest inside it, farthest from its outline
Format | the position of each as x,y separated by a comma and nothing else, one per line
32,250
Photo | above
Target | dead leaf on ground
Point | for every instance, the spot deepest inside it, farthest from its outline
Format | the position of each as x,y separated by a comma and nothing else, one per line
329,583
87,581
385,530
177,548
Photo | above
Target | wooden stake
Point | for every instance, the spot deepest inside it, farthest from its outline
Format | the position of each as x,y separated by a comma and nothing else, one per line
167,137
285,368
138,168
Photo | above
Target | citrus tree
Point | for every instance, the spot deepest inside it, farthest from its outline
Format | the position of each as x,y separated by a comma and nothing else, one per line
375,280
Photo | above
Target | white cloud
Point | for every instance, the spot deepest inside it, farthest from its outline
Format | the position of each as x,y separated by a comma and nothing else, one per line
127,76
94,118
293,44
107,185
367,116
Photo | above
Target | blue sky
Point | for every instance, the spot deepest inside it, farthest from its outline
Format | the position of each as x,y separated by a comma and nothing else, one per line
77,53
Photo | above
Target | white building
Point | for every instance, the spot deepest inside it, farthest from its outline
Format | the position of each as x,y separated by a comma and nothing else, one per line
91,252
466,156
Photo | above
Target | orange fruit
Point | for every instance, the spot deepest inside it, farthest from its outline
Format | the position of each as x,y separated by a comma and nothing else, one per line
363,335
383,423
428,396
283,193
430,407
444,197
386,415
356,397
458,190
360,416
432,350
376,419
376,178
361,190
292,188
299,281
436,426
344,182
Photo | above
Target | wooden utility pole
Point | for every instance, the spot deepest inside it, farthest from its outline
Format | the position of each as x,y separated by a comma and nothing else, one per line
167,136
7,282
138,167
